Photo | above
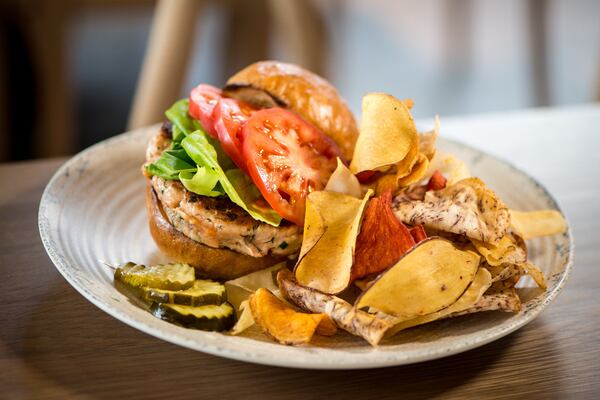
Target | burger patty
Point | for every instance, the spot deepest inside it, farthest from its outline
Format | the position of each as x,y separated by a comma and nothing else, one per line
217,221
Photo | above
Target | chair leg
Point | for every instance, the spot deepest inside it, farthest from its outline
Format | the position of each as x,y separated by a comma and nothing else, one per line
166,60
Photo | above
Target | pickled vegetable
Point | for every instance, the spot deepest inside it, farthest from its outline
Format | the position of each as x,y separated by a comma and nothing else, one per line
207,318
203,292
160,276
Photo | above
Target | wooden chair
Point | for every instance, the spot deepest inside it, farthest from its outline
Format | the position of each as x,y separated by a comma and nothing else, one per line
295,22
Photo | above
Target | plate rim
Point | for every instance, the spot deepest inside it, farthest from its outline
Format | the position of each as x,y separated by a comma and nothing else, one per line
62,265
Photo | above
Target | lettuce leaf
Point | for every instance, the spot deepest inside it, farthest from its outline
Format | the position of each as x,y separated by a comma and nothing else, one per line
234,183
183,125
199,162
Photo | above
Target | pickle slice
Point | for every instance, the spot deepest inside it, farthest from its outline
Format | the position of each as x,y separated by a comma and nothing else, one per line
207,318
203,292
161,276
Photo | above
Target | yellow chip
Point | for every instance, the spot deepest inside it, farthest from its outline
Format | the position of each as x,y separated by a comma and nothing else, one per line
451,167
537,223
430,277
343,181
509,249
325,262
387,134
481,283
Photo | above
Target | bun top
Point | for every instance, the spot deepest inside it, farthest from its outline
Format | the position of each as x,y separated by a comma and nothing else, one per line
272,83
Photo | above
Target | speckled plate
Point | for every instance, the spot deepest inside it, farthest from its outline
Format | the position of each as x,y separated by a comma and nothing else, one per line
93,209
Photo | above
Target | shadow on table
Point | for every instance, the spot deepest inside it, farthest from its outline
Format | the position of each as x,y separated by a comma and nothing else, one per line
82,351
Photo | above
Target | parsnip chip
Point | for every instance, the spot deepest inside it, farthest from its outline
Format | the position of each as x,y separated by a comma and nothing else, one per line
453,168
417,173
343,181
465,208
509,249
537,223
241,288
245,319
327,264
278,320
481,283
387,133
430,277
427,140
536,274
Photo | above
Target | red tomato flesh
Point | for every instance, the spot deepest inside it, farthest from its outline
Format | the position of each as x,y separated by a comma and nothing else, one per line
287,158
203,99
229,116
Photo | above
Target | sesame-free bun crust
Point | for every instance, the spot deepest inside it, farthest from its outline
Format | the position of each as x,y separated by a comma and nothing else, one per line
212,262
301,91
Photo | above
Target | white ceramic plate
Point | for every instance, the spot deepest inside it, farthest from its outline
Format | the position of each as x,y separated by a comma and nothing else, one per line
93,209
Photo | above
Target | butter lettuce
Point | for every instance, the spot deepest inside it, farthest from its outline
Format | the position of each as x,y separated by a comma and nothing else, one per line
199,162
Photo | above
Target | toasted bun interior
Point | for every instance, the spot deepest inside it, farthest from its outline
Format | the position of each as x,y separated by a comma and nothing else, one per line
212,262
271,83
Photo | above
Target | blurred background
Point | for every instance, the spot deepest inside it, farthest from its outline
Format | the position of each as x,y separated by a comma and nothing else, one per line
76,72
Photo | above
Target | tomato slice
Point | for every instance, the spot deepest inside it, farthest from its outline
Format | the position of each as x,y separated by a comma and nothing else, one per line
287,158
229,116
203,99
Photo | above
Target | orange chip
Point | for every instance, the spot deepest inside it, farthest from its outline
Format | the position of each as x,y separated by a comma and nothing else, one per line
418,233
382,239
437,181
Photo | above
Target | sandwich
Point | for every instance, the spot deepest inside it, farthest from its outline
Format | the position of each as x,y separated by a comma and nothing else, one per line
229,170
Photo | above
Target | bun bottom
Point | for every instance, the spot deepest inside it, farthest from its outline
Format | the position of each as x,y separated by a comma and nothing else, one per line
214,263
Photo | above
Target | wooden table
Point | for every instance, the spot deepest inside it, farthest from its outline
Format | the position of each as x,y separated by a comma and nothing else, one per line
55,344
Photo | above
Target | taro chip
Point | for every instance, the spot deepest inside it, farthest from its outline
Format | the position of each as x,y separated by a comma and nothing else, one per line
280,321
343,181
325,263
468,299
387,134
382,239
537,223
430,277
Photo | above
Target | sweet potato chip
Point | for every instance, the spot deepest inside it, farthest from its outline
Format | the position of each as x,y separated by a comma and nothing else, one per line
465,208
430,277
382,239
537,223
418,233
468,299
343,181
387,134
437,181
325,263
280,321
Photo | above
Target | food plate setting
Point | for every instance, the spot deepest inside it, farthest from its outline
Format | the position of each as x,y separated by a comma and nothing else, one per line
93,219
